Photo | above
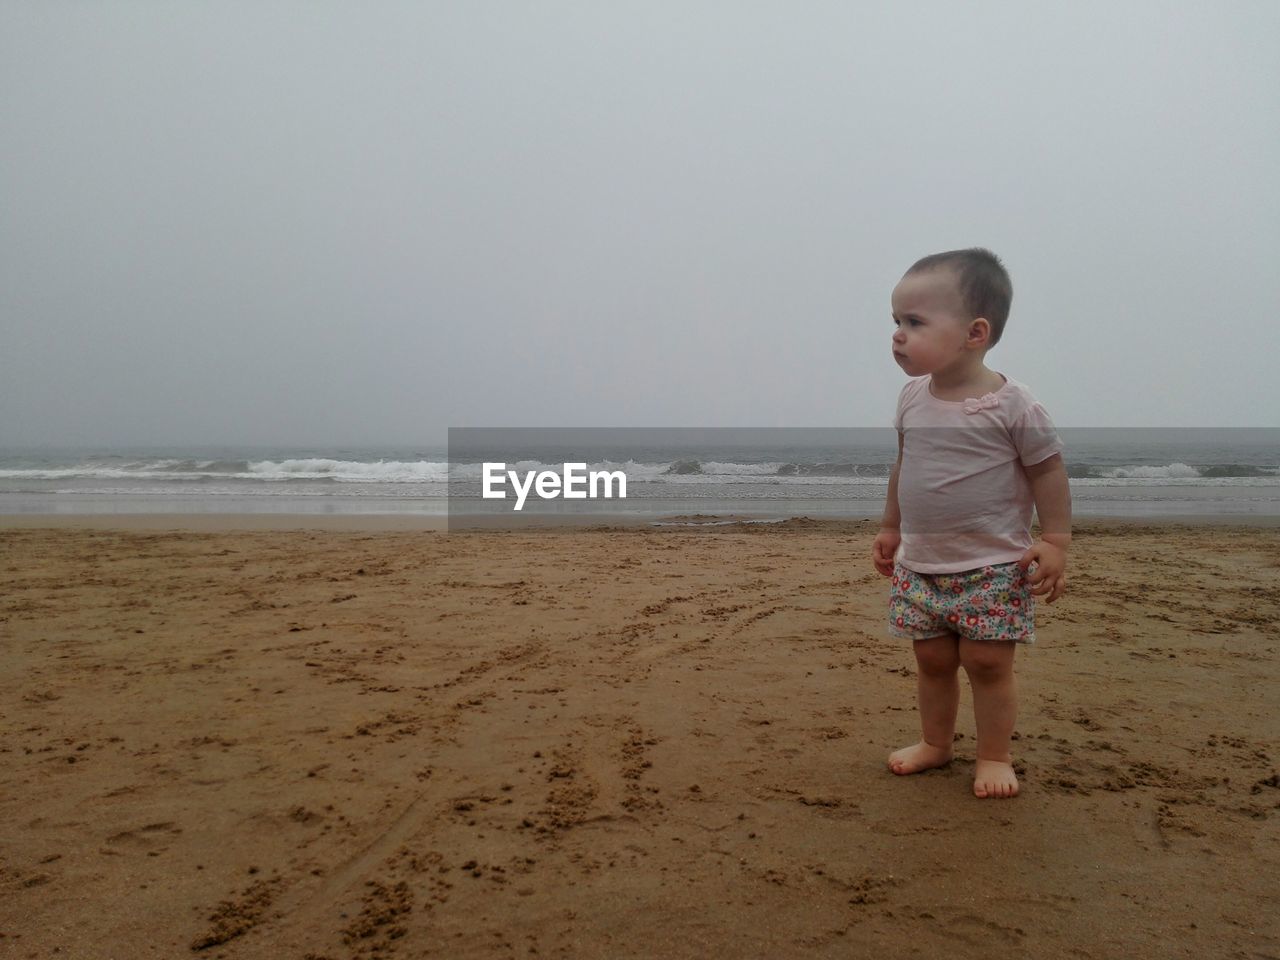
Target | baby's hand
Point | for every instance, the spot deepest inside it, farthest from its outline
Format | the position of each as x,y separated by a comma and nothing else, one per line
882,551
1051,570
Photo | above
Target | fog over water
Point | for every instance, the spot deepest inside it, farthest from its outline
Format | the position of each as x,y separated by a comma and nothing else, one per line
322,223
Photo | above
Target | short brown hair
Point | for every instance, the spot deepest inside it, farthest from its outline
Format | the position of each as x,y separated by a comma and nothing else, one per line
985,286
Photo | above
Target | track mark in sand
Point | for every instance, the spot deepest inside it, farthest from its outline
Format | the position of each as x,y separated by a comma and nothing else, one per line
703,611
506,656
409,882
865,890
829,733
570,805
653,609
311,910
634,764
239,913
375,852
13,881
1272,781
973,929
761,615
599,783
829,805
395,724
383,909
634,631
1169,820
722,614
151,838
868,889
372,880
569,802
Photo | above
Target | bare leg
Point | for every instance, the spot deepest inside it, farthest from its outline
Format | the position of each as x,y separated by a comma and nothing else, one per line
995,709
938,693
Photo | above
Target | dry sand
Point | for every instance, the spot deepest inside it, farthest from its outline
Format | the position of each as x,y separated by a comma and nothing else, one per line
617,743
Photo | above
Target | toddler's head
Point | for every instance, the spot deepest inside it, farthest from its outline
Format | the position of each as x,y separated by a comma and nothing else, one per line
980,282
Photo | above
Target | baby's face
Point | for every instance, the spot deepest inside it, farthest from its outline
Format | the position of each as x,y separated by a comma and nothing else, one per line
930,320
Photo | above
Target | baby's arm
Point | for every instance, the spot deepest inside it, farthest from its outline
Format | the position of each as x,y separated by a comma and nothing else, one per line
890,535
1053,505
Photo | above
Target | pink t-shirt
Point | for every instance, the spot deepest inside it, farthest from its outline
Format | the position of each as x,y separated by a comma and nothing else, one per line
962,491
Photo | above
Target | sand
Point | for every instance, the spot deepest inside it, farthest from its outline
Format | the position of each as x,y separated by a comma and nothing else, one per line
617,743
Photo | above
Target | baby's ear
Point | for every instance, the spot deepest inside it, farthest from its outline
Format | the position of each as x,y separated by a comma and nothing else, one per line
979,332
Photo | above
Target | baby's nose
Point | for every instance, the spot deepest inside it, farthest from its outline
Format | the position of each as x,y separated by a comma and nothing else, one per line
899,336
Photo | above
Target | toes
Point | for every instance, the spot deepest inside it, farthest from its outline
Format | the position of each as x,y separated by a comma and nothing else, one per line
997,780
994,789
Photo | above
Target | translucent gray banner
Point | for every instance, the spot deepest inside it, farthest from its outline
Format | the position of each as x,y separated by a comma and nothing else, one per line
536,477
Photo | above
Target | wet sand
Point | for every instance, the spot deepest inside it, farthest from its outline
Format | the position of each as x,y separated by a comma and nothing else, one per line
249,742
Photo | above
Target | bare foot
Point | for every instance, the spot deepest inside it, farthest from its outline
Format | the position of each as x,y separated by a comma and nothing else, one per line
995,779
920,756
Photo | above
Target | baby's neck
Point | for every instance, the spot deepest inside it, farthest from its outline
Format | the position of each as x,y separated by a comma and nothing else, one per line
968,382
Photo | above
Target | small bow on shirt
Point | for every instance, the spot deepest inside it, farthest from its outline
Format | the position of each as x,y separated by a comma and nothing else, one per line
981,403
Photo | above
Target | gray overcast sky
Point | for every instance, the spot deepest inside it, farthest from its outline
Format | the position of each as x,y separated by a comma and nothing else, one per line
362,223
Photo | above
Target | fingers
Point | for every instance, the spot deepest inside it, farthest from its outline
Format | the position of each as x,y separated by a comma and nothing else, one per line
1050,588
1048,585
882,558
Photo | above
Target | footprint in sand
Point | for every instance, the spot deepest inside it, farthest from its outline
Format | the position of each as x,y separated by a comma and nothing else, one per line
152,838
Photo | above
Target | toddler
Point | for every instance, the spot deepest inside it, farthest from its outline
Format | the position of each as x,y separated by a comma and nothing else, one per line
975,452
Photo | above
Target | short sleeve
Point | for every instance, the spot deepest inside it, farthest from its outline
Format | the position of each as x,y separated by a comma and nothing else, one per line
902,405
1034,435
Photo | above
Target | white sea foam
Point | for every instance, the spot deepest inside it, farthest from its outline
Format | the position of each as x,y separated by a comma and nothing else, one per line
1172,471
351,471
741,469
683,473
345,471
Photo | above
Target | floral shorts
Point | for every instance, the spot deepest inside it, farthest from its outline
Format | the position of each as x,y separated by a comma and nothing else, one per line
989,603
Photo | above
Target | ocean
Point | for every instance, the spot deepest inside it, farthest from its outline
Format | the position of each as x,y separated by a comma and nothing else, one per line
767,474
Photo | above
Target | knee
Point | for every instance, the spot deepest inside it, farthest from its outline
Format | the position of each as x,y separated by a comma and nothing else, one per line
937,661
985,661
